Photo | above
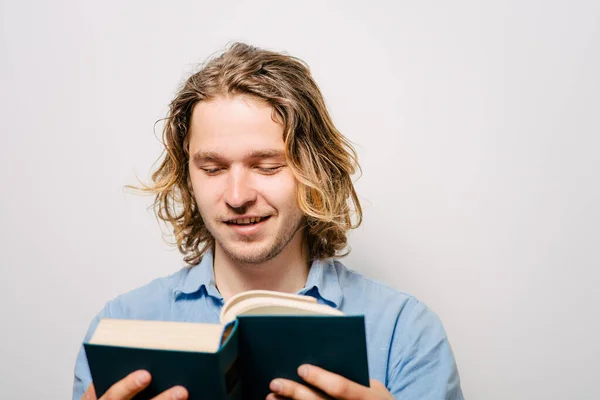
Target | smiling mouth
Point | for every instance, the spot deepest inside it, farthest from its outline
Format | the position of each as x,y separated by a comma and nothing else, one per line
246,221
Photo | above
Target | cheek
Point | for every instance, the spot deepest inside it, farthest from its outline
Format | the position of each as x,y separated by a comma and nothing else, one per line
203,191
280,192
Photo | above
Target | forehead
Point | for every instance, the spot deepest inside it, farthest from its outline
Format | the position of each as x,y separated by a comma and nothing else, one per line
234,125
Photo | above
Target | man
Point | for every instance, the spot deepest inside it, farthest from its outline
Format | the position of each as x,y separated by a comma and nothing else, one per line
256,182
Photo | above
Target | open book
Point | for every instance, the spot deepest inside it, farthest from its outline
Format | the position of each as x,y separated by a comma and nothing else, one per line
262,335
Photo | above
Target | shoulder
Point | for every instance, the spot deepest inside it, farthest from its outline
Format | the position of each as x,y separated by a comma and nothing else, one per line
409,347
147,301
357,286
379,301
152,301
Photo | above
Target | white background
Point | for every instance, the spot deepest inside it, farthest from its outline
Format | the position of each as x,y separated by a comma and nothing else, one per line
477,126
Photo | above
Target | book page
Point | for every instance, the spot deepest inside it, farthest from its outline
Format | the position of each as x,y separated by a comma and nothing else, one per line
163,335
264,294
275,306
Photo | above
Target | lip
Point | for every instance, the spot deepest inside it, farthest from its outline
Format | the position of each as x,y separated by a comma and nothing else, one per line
248,230
246,216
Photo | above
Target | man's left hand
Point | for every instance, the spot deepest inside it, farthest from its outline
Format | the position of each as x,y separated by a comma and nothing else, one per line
333,386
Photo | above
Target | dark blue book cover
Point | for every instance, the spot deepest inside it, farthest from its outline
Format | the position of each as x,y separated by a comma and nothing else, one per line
204,375
275,346
258,349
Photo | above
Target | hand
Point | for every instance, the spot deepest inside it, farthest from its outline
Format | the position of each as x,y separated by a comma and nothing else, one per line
131,385
333,385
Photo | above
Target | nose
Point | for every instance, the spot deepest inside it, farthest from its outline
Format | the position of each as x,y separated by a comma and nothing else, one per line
240,191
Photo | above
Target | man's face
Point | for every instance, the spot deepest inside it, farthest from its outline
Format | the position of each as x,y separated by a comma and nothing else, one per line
244,190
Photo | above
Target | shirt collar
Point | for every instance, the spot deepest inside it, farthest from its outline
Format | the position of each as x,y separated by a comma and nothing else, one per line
322,280
198,277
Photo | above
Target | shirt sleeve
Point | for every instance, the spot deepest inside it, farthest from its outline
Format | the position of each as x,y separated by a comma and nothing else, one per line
422,364
83,377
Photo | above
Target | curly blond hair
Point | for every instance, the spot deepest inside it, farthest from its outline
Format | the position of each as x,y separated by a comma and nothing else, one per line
320,157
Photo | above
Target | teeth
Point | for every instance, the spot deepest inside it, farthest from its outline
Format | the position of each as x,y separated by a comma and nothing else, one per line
245,221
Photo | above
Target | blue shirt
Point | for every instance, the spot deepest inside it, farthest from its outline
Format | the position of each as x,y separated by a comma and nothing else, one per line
407,346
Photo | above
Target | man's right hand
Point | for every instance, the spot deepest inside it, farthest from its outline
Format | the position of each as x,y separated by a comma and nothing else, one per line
131,385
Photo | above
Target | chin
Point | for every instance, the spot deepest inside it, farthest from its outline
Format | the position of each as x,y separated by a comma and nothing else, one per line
250,253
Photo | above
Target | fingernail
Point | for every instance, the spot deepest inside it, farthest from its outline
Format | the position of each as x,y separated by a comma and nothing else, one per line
302,371
142,378
276,386
179,393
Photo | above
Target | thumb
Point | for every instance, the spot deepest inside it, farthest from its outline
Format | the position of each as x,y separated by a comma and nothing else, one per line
378,386
90,393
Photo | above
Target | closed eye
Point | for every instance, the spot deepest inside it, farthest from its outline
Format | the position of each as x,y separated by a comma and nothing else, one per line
269,170
212,171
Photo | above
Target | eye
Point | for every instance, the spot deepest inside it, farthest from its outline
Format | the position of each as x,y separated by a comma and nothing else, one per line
269,170
212,171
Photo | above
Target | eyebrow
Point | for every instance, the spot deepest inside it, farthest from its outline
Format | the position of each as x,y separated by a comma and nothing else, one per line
212,156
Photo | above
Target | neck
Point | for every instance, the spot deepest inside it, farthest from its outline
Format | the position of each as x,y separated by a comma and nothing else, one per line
287,272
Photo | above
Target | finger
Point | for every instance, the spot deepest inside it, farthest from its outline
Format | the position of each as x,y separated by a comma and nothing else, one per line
90,393
174,393
380,388
334,385
128,387
284,388
273,396
375,384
